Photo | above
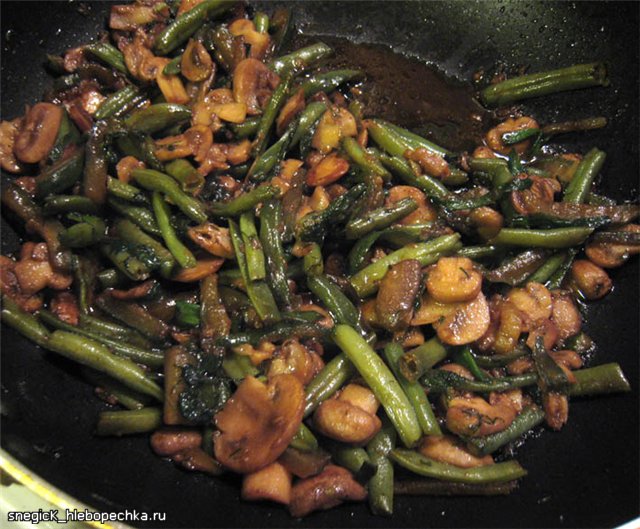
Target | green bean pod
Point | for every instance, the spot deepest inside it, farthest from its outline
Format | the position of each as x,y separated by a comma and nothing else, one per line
180,252
555,238
157,117
401,168
269,114
119,103
157,181
301,59
92,354
60,176
331,378
185,25
108,54
129,232
582,181
137,214
271,239
55,204
380,218
363,159
329,81
128,422
381,483
244,202
25,323
381,382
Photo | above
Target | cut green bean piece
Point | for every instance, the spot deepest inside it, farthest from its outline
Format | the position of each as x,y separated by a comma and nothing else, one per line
424,466
582,181
128,422
380,218
245,202
157,117
381,483
25,323
180,252
554,238
381,382
108,54
414,363
271,239
253,248
301,59
329,81
92,354
331,378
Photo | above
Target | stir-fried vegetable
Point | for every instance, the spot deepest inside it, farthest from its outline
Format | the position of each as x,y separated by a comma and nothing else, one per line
308,282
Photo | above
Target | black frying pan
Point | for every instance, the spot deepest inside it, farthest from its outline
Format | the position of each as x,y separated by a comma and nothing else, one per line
585,476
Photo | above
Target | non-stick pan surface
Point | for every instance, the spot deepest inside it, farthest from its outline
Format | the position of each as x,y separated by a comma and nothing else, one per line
584,476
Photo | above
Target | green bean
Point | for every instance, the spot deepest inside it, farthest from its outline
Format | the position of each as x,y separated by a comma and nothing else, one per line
174,66
245,129
365,282
253,248
496,168
401,168
331,378
416,395
119,189
264,165
307,121
414,363
273,333
327,82
314,226
599,380
91,230
415,141
186,24
424,466
129,232
438,381
108,54
304,440
118,346
528,418
237,367
492,361
276,102
556,279
261,22
301,59
340,307
121,255
94,182
459,202
381,382
119,103
244,202
381,483
25,323
136,214
580,185
157,117
140,146
271,239
134,315
128,422
94,355
258,291
226,50
186,175
60,176
180,252
550,266
312,262
68,135
433,487
516,136
552,129
18,201
478,252
113,330
545,83
187,314
360,252
555,238
363,159
55,204
379,218
157,181
355,459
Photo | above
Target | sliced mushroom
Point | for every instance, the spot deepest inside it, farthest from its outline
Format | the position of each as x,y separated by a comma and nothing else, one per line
38,132
397,295
272,483
475,417
467,323
453,279
449,449
251,81
591,280
8,132
258,422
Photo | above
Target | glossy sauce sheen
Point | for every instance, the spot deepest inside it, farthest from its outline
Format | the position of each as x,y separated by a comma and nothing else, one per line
411,93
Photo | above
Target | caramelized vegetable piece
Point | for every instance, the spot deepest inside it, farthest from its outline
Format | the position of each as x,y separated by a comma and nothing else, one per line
397,295
202,269
430,311
361,397
345,422
612,255
253,82
475,417
167,443
466,324
324,491
196,63
327,171
509,328
591,280
533,301
38,132
258,422
449,449
335,124
565,314
212,238
8,132
272,483
494,136
556,409
453,279
34,271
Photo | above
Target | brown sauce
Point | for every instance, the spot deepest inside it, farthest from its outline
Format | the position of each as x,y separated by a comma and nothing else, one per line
411,93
